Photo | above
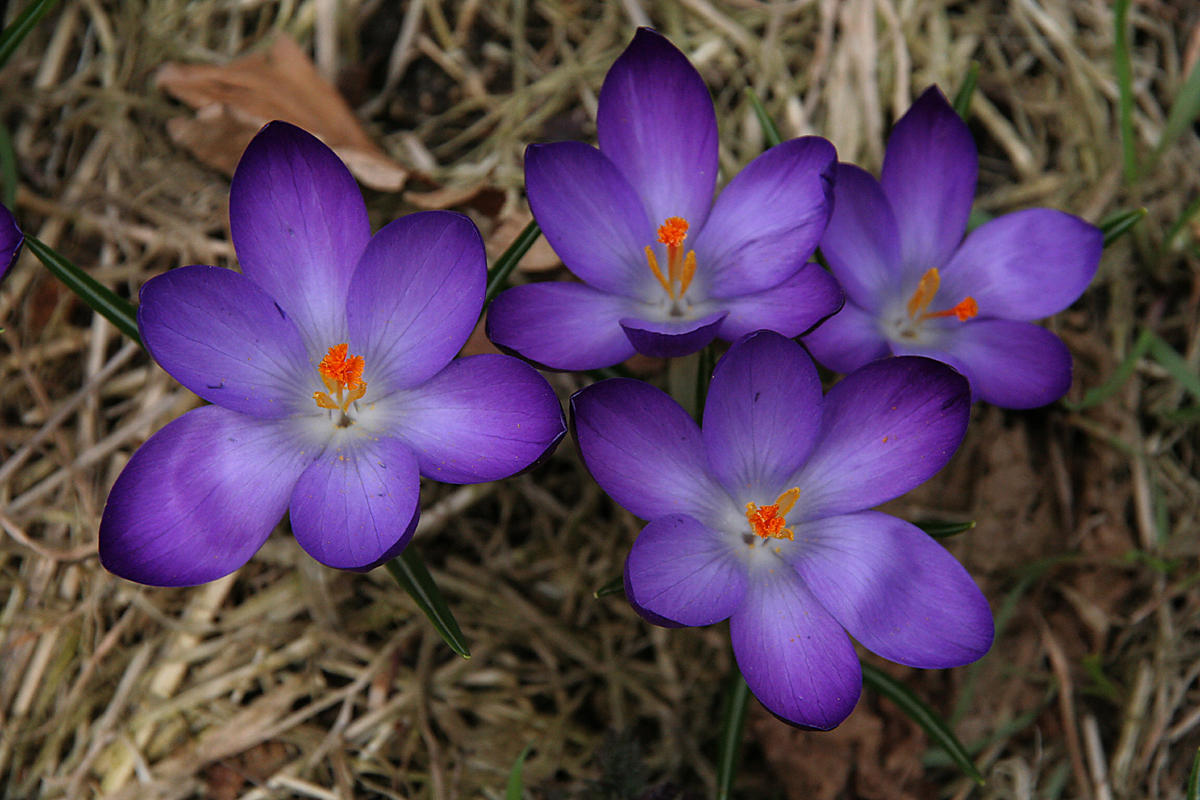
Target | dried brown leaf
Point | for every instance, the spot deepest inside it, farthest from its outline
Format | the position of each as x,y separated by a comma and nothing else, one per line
234,100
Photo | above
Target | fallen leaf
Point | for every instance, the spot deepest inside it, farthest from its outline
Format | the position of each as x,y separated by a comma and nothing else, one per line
235,100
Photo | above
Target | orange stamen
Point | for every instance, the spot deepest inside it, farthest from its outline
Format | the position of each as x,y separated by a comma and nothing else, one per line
927,289
768,521
680,269
340,371
662,279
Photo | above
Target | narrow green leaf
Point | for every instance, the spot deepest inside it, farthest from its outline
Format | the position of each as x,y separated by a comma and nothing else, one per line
770,131
978,217
1098,394
102,299
411,574
923,715
962,100
515,781
1193,787
941,530
507,262
615,586
15,33
8,169
1184,110
1118,223
1181,223
1170,359
1123,68
733,723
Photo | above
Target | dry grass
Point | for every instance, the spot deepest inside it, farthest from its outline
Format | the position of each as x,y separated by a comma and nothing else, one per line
288,680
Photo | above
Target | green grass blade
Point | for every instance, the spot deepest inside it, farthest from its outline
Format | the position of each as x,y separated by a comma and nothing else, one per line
733,723
1193,787
1183,113
507,262
102,299
515,780
410,573
615,586
923,715
770,131
941,530
1097,395
15,33
1124,71
1170,359
1115,225
962,100
8,169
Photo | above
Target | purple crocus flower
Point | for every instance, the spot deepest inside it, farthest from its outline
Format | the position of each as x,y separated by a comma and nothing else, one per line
664,270
11,240
914,286
328,360
760,517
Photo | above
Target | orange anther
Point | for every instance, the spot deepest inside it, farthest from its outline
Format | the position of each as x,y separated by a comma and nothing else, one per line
673,231
925,292
769,521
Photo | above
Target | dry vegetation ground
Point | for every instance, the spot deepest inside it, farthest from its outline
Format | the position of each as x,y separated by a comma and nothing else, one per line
289,680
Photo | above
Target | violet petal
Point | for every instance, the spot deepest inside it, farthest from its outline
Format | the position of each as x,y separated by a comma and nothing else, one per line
481,418
1023,266
762,414
11,239
416,297
223,337
895,589
199,498
929,174
685,572
356,506
644,450
848,340
657,124
791,308
768,220
568,326
671,338
862,243
591,216
796,659
887,427
1010,364
299,225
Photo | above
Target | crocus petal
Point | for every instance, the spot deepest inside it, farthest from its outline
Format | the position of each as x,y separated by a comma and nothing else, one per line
862,244
929,174
887,427
848,340
357,505
298,224
685,572
895,589
199,498
481,418
568,326
796,659
768,220
762,413
223,337
416,297
591,216
11,240
643,449
1010,364
1025,265
656,122
791,308
670,338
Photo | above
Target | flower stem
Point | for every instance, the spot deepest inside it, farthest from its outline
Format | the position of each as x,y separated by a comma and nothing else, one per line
733,723
507,262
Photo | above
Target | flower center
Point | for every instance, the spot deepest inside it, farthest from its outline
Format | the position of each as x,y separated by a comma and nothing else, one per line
768,521
342,375
923,296
680,268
